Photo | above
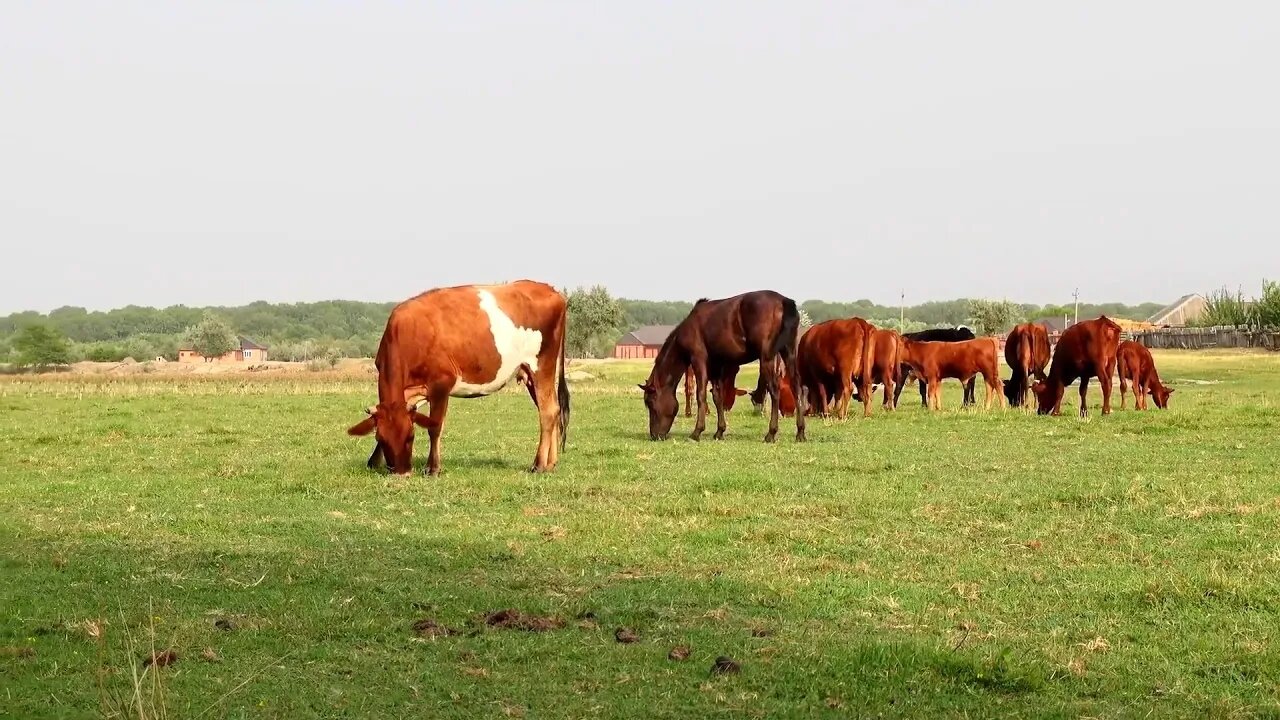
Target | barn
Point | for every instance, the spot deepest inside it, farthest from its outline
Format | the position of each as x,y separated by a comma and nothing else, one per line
642,343
1184,311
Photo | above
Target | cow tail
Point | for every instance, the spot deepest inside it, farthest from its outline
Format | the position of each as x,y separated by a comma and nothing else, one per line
562,394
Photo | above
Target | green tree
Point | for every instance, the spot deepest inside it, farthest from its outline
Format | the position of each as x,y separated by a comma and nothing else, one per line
39,346
595,320
993,316
212,337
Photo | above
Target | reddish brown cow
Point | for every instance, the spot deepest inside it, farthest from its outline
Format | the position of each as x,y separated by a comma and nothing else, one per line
829,356
934,362
1027,352
880,364
728,392
468,341
1135,365
1087,349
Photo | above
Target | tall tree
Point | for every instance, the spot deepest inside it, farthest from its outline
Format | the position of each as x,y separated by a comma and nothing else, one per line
212,337
993,316
39,346
595,320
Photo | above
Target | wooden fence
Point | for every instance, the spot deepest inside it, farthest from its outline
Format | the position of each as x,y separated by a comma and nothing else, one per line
1207,338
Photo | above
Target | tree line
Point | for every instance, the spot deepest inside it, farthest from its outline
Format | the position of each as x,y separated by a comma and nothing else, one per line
344,328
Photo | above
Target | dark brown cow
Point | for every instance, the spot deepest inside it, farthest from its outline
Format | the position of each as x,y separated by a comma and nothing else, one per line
1135,365
718,337
468,341
1087,349
830,356
934,362
881,363
1027,352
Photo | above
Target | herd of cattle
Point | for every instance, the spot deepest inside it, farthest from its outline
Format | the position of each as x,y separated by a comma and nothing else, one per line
473,340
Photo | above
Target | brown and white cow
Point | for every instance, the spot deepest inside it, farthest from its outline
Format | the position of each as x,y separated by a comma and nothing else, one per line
1134,364
1087,349
934,362
468,341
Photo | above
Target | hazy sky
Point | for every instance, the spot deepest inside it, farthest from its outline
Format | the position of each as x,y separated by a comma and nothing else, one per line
222,152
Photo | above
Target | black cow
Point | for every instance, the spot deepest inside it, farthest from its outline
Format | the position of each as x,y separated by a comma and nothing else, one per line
956,334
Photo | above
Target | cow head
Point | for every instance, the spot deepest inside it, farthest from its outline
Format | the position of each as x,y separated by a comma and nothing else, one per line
662,407
730,395
393,423
1160,393
1047,398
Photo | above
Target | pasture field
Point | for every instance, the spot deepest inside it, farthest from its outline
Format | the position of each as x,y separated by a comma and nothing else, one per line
911,565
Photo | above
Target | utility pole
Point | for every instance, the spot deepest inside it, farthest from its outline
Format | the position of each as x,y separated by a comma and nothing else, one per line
1076,295
902,310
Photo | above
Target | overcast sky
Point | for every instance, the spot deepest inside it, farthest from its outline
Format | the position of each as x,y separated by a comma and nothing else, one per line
223,152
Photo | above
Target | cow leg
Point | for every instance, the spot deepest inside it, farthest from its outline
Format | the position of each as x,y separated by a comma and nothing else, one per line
969,395
890,385
1105,381
924,399
1084,391
935,394
900,382
439,406
846,394
547,402
688,392
866,392
801,395
700,373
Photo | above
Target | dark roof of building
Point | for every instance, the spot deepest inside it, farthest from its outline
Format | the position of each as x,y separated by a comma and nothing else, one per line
247,344
647,335
1052,324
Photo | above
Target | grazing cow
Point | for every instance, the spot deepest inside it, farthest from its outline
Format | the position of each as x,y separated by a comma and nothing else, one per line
830,356
728,392
956,334
934,362
717,338
1027,352
465,342
1135,364
880,364
1086,349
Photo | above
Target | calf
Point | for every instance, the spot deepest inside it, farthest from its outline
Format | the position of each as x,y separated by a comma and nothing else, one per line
933,362
956,334
1087,349
1027,352
1135,365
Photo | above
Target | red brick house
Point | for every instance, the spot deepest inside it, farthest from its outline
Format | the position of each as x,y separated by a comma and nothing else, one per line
248,351
642,343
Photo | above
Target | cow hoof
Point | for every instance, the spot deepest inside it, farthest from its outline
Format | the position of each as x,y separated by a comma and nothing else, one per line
697,436
770,438
719,435
800,437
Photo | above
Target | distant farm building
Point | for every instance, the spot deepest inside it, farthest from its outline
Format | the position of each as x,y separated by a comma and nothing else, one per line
1054,326
642,343
248,351
1185,311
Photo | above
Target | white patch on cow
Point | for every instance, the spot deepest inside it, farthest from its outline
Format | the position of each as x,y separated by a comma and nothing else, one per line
515,345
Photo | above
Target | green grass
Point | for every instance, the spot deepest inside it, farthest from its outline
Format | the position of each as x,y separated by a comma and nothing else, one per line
956,564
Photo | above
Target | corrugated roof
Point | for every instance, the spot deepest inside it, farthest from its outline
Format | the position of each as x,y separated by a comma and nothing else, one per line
647,335
247,344
1185,308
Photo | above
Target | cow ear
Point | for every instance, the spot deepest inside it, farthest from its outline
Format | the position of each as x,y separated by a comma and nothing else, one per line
364,427
739,392
1169,390
643,386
